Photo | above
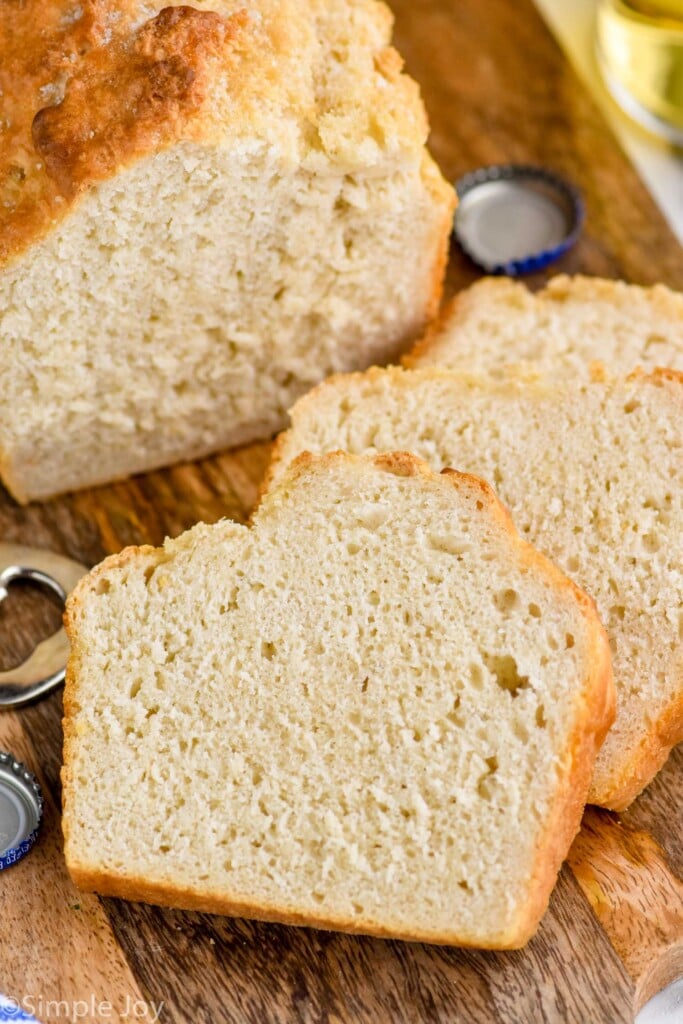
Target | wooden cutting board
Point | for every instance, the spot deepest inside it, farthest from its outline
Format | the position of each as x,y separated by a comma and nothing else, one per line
498,89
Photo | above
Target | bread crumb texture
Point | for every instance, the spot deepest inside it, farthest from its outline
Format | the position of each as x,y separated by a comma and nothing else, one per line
591,473
376,710
203,211
571,328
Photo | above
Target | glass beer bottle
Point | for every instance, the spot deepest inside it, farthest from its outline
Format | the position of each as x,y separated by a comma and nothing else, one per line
640,49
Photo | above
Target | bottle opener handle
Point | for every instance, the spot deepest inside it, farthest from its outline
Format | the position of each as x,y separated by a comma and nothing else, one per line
45,667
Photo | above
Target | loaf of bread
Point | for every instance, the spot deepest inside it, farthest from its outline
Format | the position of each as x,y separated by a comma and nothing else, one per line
376,710
498,326
592,473
203,211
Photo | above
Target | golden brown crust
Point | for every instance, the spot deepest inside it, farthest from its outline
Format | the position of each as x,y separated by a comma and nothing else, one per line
137,888
594,714
594,719
277,454
652,753
667,730
39,47
664,733
86,92
659,376
136,96
103,95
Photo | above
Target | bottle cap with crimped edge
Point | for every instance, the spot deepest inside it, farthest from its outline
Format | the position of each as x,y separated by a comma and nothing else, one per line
21,810
515,219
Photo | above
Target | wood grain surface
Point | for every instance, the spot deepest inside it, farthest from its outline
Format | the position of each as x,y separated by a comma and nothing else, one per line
498,89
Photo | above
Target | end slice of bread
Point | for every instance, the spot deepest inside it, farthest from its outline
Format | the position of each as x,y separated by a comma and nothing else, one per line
204,210
498,326
377,710
592,474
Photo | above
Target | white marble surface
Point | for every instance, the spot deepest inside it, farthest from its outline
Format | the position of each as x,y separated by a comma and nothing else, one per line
666,1008
660,166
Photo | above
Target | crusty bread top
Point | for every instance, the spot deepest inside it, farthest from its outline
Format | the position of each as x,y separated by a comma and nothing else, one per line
375,710
573,327
85,90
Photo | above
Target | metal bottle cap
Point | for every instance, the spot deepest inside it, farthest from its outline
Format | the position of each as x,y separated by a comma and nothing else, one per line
44,669
11,1010
515,219
21,809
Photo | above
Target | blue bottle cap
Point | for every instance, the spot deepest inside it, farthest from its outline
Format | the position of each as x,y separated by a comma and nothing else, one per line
514,219
21,809
11,1010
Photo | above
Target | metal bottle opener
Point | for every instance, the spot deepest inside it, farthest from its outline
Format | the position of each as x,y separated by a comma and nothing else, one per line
44,669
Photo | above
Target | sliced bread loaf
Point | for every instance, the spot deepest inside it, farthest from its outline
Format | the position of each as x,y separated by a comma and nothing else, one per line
498,325
592,474
377,710
202,213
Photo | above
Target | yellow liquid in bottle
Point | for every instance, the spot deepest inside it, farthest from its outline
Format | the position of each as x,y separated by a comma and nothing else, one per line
640,46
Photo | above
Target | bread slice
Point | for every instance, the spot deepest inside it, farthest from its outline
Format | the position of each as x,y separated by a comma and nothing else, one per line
377,710
591,473
202,213
498,326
